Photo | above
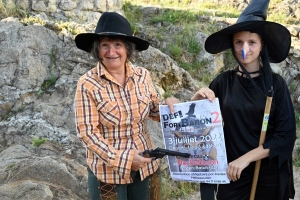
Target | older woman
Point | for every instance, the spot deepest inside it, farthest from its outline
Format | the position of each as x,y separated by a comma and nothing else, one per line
112,102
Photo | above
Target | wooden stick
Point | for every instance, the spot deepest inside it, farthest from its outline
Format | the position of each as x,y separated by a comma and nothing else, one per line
261,141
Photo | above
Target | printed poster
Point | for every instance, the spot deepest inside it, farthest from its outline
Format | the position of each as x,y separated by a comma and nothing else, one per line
195,128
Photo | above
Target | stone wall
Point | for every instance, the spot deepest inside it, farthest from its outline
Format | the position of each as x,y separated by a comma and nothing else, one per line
79,10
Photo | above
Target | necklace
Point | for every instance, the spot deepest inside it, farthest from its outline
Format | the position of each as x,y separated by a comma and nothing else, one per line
241,73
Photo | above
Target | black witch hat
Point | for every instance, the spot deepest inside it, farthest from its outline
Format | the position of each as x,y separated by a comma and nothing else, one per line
110,24
253,19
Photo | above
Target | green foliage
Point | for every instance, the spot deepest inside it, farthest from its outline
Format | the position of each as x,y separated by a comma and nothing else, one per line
53,55
161,3
175,17
218,10
297,116
292,87
175,51
10,9
11,166
175,189
230,62
279,18
46,85
36,142
32,20
168,93
193,46
185,10
68,26
51,81
296,158
198,70
274,3
186,66
134,15
209,27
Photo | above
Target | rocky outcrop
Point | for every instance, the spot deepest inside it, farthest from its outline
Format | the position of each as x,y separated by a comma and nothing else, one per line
26,176
39,69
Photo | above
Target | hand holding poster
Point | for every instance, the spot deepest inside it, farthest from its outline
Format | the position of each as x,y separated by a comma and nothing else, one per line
195,128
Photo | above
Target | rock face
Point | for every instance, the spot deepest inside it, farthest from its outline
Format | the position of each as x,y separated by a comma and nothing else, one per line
26,176
39,69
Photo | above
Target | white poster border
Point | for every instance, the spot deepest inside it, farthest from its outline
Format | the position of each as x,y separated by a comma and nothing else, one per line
195,127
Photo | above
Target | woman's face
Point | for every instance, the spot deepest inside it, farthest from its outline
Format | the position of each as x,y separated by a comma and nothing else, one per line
113,53
252,45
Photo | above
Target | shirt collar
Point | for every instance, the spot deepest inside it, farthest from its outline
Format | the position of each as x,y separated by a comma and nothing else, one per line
130,70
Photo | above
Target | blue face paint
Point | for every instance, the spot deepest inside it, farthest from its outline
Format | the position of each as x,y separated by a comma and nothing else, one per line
243,54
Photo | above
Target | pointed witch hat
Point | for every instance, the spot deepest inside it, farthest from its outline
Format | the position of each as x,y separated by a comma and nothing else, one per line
253,19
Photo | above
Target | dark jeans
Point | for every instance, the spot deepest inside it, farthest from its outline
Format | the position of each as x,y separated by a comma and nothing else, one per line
138,190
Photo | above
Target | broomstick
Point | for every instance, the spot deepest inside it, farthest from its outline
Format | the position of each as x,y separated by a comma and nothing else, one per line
262,140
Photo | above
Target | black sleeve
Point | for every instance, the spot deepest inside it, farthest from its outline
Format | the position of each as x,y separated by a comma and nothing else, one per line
283,138
214,86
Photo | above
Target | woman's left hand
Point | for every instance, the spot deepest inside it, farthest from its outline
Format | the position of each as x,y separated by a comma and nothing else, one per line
170,102
236,167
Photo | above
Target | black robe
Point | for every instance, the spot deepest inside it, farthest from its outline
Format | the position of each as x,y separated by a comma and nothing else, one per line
242,107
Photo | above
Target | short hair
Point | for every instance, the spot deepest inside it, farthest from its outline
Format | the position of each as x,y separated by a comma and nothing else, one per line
130,47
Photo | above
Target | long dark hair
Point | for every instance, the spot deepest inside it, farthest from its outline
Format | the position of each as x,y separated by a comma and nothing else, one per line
265,68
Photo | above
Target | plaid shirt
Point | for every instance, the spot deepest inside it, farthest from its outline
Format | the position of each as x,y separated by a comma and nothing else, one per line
111,121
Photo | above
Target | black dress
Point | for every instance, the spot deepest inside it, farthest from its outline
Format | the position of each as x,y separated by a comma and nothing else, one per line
242,107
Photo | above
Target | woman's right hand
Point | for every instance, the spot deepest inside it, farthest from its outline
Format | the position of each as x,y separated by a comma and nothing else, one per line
204,93
170,102
139,161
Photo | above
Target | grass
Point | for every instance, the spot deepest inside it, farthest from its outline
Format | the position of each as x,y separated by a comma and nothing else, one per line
67,25
51,81
10,166
175,51
36,142
134,16
46,85
193,45
168,93
175,17
298,121
183,46
11,10
32,20
296,158
175,189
